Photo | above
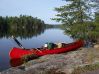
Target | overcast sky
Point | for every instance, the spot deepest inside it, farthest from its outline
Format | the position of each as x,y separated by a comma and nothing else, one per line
43,9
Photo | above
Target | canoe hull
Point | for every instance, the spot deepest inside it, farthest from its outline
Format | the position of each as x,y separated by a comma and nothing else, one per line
16,53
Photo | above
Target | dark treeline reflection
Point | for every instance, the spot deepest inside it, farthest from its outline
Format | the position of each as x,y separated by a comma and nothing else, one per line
23,26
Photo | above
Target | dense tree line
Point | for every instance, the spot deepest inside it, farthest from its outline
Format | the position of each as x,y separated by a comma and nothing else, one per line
78,18
22,21
21,26
53,26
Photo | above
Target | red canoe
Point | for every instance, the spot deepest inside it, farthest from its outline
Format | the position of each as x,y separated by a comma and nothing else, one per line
16,53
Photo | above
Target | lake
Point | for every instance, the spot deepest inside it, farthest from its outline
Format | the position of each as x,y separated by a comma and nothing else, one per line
49,35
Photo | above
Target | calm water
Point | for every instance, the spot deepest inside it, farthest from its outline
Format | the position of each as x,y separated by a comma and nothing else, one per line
49,35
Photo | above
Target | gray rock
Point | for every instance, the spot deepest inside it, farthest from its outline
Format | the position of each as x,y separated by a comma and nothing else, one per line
65,63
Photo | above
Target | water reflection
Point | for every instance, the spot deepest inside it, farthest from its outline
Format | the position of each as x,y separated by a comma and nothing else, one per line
25,32
22,32
28,40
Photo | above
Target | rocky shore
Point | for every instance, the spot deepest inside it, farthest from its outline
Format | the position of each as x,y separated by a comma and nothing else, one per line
81,61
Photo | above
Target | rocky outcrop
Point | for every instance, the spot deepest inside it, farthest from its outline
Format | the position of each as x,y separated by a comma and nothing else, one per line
73,62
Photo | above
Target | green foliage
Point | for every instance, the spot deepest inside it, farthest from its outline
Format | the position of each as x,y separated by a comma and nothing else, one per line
21,26
96,23
23,21
77,18
74,11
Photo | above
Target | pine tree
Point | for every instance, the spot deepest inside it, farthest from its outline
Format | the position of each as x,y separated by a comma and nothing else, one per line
76,17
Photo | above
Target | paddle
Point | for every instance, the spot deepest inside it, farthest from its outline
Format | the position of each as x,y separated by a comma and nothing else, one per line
19,44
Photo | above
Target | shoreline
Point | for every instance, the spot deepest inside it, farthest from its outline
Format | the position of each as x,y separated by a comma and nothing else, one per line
73,62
